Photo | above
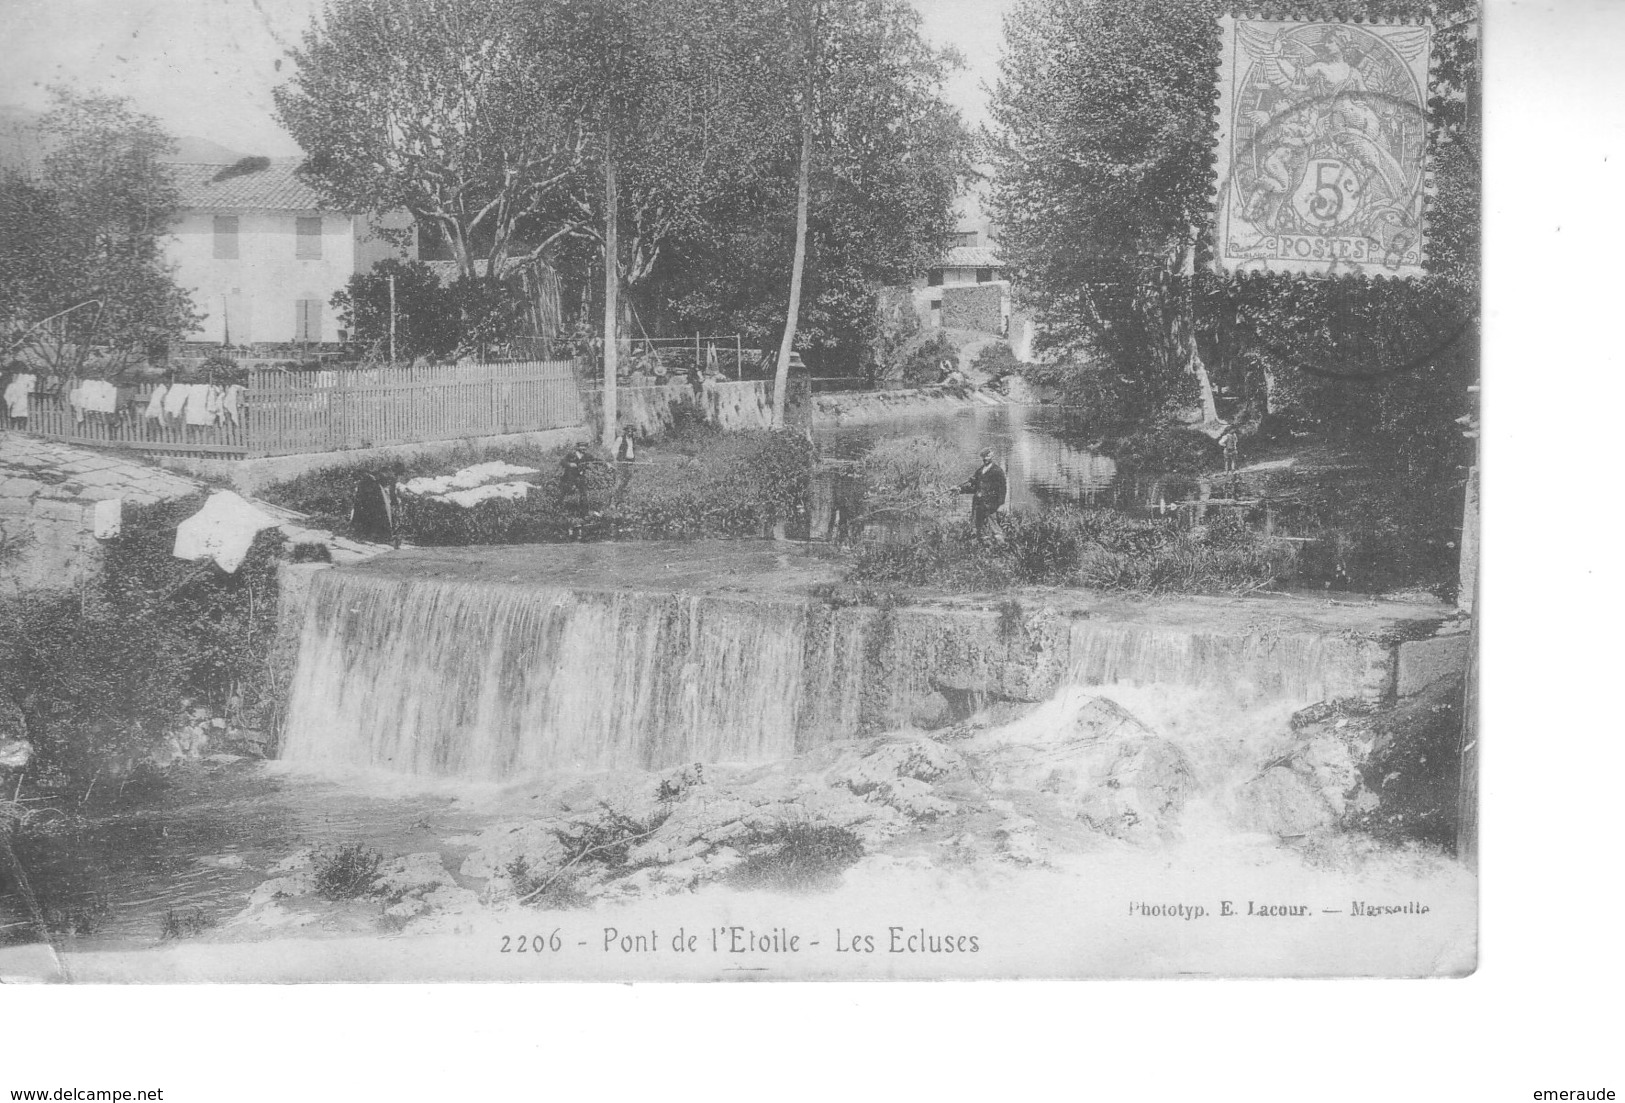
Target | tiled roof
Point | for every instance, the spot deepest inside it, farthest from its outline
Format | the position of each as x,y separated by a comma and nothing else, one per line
274,188
970,256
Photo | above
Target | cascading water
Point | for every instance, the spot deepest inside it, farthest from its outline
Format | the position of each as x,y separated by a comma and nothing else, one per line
447,671
479,679
1254,667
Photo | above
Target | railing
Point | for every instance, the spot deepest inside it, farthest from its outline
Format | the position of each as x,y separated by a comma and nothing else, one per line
284,413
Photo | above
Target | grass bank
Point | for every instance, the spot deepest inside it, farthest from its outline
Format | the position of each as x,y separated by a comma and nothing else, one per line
1096,549
698,482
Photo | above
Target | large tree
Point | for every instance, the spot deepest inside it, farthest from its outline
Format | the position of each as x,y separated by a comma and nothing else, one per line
82,266
851,161
1102,120
647,82
445,108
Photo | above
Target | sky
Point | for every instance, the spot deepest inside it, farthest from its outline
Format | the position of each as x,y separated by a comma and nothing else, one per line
206,68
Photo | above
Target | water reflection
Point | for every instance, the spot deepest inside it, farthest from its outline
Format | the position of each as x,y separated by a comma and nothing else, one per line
1352,530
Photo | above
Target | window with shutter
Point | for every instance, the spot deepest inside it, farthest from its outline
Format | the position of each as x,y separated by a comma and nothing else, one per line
308,238
225,237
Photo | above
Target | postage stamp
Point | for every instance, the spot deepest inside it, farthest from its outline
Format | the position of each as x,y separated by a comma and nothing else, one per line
1321,151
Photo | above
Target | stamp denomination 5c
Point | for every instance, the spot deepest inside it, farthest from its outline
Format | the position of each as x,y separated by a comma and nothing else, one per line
1321,148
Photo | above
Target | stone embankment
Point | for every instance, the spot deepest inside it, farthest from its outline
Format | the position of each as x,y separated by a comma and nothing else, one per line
863,407
59,503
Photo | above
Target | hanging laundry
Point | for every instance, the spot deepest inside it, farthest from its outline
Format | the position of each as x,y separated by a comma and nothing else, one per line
234,402
76,401
155,404
17,392
175,400
197,405
99,396
222,530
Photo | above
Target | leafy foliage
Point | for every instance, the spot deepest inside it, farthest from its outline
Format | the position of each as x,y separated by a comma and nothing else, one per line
796,856
346,872
1098,549
446,109
889,157
1102,140
101,680
721,484
82,242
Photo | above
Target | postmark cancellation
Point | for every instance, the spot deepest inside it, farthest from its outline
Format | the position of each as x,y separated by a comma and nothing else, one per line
1321,148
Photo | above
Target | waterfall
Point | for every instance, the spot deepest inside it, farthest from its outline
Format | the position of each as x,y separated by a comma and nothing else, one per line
486,680
1261,665
456,675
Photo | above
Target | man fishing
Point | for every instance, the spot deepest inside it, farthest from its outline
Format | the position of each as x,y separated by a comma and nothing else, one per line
987,488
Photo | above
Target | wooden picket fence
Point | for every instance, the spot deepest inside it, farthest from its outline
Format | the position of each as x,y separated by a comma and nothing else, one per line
286,413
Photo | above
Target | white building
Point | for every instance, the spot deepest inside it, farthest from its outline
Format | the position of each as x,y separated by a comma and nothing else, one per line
967,290
262,255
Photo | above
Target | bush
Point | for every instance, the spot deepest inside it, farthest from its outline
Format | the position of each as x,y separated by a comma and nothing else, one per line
996,359
101,679
347,872
924,365
797,856
1096,549
1167,450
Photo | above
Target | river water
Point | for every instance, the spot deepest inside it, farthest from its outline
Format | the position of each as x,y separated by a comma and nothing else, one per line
194,842
1354,532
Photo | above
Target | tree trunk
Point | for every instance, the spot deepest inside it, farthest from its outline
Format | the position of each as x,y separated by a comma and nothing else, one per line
612,284
781,378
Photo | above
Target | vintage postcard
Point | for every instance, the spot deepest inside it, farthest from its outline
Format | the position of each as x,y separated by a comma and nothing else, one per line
526,490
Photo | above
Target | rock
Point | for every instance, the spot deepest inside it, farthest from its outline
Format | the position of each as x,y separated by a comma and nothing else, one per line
1282,801
413,874
496,848
222,861
913,798
1100,764
1322,712
298,860
278,888
920,759
1027,665
1424,662
15,753
931,712
225,759
1018,841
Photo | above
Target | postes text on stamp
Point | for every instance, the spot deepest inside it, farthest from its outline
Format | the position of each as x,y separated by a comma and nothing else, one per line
1322,148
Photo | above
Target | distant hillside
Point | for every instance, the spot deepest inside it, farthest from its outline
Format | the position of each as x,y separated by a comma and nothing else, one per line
21,148
201,151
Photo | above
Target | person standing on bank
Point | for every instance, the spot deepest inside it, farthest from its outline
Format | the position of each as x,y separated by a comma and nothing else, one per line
626,454
987,488
574,480
1230,441
375,507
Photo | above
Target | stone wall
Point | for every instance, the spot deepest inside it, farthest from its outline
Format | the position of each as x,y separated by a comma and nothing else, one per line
58,503
979,307
249,477
652,411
